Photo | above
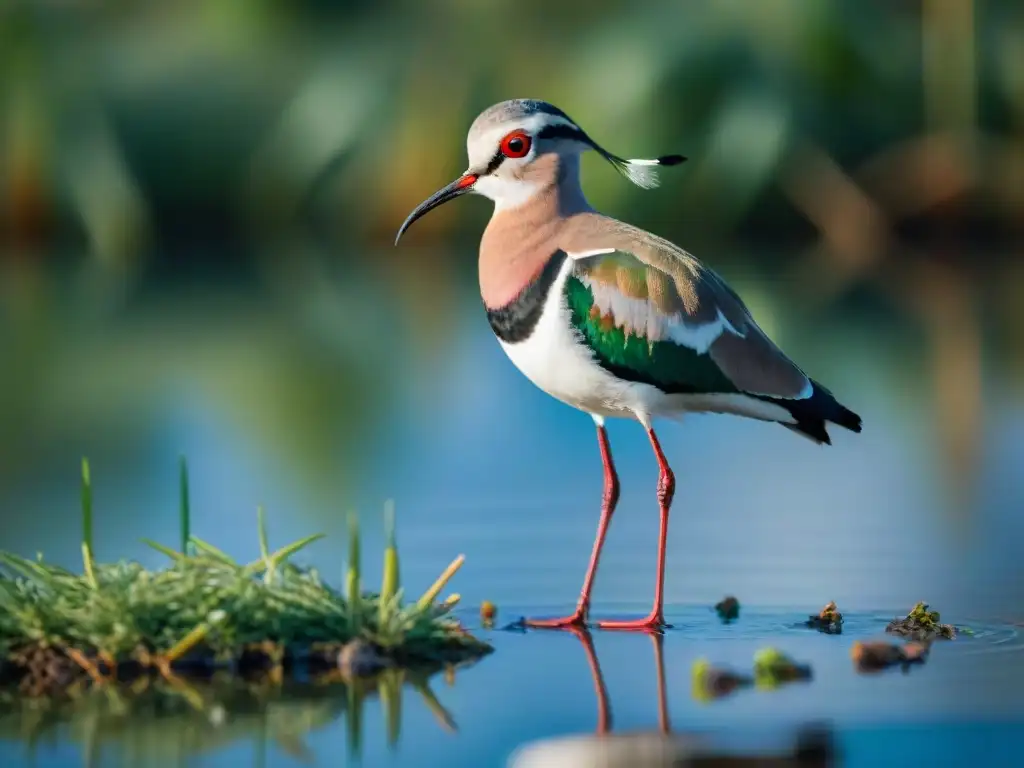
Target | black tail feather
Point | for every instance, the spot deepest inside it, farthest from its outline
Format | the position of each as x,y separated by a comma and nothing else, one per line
812,413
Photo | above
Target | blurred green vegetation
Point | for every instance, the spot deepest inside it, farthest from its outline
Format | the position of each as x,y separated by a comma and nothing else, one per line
261,153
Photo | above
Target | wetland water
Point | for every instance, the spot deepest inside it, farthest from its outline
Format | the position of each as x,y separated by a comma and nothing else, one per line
481,463
962,705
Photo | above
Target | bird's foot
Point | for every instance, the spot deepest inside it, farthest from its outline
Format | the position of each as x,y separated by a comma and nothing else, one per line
655,622
576,621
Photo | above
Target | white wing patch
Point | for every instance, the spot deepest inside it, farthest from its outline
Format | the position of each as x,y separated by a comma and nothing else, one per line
639,317
587,254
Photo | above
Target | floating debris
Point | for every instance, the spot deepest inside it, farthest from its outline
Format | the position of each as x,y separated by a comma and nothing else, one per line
710,682
921,624
829,620
488,612
773,668
728,609
873,656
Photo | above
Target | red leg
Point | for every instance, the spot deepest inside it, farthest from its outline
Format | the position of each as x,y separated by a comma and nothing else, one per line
666,490
609,499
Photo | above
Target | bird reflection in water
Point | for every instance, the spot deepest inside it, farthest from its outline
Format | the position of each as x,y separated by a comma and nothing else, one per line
653,749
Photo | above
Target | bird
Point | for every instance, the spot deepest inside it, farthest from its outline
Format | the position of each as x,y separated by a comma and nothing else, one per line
611,319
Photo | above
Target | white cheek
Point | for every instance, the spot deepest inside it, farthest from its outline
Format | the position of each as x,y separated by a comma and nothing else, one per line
506,193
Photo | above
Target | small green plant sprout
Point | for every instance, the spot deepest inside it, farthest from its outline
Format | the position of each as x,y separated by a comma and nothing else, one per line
184,507
204,612
353,586
87,549
709,683
874,656
921,624
390,595
728,609
773,668
828,620
86,505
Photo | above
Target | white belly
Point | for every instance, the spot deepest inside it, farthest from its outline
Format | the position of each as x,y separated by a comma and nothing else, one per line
557,362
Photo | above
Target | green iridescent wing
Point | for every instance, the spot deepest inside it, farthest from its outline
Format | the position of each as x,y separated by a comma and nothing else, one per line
683,331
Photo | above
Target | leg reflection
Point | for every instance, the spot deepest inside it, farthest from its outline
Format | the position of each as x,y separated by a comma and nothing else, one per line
604,712
658,640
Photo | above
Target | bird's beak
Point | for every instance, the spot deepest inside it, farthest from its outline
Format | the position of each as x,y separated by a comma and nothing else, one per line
458,187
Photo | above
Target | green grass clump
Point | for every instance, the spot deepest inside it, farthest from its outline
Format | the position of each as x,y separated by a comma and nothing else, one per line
206,605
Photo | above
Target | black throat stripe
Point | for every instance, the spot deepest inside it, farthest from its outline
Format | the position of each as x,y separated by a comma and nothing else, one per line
514,322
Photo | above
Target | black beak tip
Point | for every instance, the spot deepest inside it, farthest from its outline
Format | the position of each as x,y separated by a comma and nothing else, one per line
458,187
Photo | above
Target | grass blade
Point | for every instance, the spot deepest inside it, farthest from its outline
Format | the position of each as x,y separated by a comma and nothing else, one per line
435,589
86,504
184,508
213,552
164,550
90,574
275,559
352,594
186,643
261,533
261,527
390,580
288,550
27,568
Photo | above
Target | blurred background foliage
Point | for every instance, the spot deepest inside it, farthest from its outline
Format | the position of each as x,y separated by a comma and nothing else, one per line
204,194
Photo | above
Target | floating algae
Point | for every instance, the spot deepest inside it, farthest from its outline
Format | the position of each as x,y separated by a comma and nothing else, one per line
773,668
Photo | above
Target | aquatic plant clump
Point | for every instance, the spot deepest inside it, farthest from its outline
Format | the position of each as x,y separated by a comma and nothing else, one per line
828,620
921,624
206,611
728,609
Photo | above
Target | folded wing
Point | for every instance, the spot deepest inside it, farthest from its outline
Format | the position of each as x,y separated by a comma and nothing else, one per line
656,315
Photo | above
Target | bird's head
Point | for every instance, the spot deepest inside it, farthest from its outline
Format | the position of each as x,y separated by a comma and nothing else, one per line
514,149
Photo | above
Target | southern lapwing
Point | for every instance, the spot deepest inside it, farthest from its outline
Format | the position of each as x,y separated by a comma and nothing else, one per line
609,318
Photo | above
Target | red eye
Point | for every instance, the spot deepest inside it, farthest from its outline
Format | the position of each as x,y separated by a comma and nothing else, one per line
516,144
